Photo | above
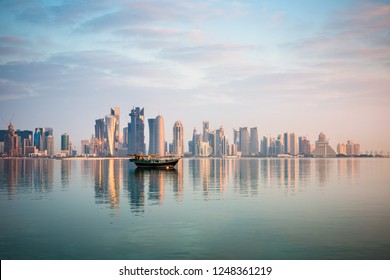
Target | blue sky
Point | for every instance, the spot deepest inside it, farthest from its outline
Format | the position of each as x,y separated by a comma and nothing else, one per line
298,66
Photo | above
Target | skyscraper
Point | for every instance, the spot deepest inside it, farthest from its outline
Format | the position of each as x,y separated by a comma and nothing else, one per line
50,145
244,141
287,143
206,129
156,136
304,145
38,138
236,138
178,141
11,142
99,135
110,130
152,136
115,114
136,130
254,142
293,144
265,146
65,142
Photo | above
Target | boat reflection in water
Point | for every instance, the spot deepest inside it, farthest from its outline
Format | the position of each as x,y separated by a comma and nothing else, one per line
146,186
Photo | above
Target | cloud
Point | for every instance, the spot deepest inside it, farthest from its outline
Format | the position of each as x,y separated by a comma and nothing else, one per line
361,33
207,54
10,90
13,40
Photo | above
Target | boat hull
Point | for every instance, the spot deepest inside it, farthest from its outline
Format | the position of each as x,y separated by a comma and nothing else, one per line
155,163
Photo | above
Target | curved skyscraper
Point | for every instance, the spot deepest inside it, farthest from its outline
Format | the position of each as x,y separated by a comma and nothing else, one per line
110,129
178,141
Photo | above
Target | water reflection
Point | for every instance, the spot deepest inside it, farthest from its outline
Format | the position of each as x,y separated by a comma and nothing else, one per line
207,176
247,176
26,176
107,175
149,186
66,173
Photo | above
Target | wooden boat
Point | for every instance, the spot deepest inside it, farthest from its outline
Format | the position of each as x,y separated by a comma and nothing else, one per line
155,161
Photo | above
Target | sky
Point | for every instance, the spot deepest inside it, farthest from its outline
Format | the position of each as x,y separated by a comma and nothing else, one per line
281,66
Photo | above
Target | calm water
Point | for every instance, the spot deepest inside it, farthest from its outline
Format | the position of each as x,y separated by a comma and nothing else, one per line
206,209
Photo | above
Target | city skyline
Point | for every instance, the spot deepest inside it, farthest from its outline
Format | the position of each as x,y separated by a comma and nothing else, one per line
302,67
107,141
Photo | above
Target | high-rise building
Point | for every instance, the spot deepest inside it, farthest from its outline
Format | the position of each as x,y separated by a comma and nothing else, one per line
115,114
48,131
236,138
322,147
265,146
224,146
156,136
304,145
160,136
293,144
65,144
279,145
25,140
178,138
85,147
125,137
206,130
136,130
341,149
110,130
254,142
244,141
38,138
152,136
99,135
287,143
11,142
50,145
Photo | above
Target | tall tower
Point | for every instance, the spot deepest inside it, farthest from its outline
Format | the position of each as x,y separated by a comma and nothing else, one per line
38,138
115,114
293,144
287,143
65,142
254,142
110,130
136,130
236,138
99,135
244,141
11,142
178,141
206,129
152,136
50,145
160,136
156,136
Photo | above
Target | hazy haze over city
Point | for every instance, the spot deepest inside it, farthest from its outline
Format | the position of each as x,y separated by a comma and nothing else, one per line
298,66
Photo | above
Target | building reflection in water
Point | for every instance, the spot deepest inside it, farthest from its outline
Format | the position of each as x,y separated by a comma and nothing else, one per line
66,173
209,175
247,176
149,186
26,175
107,174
